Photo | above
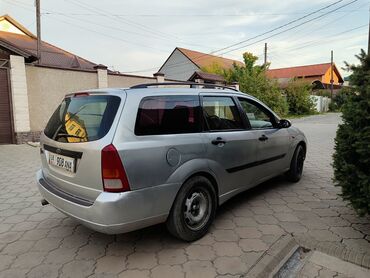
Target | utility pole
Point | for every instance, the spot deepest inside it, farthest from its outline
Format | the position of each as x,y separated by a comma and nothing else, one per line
331,75
38,24
265,60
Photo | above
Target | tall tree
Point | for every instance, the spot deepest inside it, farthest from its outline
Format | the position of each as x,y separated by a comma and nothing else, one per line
352,148
253,80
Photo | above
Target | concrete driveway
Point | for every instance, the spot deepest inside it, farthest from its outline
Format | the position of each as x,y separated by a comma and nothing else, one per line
38,241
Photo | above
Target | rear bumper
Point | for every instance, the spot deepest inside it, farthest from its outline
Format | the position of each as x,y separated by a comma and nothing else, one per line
114,213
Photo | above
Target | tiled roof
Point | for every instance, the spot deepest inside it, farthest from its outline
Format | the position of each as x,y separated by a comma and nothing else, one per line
300,71
51,55
207,76
205,60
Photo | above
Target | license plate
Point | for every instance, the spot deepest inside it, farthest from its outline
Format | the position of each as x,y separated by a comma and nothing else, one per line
64,162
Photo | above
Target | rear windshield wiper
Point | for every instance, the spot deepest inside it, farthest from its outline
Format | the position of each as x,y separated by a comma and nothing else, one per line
68,135
64,122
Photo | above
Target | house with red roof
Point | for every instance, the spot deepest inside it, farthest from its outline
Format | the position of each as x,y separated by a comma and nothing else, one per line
183,63
31,87
318,74
189,65
21,41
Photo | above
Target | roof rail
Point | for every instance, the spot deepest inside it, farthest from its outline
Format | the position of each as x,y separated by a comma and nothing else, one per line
191,84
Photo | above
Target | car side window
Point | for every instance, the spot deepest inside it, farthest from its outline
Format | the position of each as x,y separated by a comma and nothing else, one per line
258,118
168,115
221,113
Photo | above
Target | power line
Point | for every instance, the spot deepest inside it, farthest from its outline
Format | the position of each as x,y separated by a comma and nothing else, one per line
124,30
90,30
148,33
327,25
324,40
193,15
264,33
19,4
112,37
291,28
149,30
126,21
282,26
306,15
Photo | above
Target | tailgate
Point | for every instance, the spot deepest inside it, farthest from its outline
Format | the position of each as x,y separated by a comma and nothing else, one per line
73,139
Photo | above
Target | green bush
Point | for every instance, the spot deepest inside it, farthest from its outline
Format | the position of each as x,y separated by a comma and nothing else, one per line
253,80
298,96
352,149
339,99
322,93
333,107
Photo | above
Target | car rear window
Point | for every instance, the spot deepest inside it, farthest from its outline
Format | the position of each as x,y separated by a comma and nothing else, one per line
82,118
168,115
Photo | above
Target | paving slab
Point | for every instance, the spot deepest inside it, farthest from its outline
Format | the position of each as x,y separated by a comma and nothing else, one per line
323,265
48,243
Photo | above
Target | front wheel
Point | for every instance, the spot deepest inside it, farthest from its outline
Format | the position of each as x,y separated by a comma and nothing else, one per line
193,210
296,166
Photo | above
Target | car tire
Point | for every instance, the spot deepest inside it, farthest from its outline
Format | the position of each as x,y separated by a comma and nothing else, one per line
193,210
296,165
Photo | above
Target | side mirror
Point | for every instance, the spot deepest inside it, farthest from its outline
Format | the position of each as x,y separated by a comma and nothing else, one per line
284,123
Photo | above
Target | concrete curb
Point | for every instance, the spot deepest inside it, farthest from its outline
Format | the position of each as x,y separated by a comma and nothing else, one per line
349,255
281,251
34,144
274,258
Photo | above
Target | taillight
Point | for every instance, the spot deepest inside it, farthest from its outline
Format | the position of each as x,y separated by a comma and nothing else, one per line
113,173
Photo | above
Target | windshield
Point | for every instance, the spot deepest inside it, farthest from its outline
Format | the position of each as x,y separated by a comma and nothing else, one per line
82,118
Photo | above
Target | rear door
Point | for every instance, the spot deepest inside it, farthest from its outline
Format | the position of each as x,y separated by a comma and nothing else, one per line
160,141
273,142
79,129
231,147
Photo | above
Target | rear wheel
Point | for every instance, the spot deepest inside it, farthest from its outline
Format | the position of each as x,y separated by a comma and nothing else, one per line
296,166
193,210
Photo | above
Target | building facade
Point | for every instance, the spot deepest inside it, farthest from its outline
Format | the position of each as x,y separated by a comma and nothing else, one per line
318,74
182,63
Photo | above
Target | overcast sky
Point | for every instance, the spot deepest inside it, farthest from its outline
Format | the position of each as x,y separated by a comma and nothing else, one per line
138,35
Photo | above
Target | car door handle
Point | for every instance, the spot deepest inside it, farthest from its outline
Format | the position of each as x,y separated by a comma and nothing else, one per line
263,138
218,141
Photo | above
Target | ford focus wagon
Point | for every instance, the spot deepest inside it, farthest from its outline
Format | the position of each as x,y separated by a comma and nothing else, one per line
118,160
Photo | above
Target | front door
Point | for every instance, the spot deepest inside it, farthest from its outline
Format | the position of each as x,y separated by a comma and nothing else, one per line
273,142
230,145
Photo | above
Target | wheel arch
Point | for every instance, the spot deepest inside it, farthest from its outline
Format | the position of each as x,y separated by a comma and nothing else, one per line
304,145
201,173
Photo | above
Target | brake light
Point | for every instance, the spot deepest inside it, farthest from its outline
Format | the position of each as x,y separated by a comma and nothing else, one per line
113,174
82,94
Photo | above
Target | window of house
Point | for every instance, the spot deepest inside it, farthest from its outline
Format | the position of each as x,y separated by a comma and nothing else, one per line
168,115
221,113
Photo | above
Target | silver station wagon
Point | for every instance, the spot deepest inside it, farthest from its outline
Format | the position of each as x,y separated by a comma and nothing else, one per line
118,160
